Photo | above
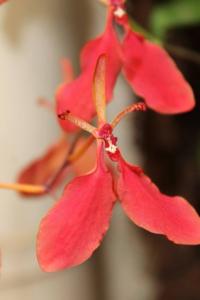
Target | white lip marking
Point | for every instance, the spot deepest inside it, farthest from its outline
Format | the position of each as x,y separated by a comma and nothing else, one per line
119,12
112,148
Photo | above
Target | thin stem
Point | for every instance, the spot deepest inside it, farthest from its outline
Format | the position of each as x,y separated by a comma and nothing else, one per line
67,115
72,156
50,183
81,150
140,106
138,28
183,52
99,89
41,189
24,188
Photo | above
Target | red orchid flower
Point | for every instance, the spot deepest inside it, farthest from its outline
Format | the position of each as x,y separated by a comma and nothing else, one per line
147,67
76,224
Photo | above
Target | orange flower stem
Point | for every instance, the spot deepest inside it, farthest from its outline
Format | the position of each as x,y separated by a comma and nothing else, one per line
40,189
24,188
73,156
77,154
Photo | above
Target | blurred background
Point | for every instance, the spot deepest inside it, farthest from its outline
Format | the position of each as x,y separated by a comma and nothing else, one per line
130,264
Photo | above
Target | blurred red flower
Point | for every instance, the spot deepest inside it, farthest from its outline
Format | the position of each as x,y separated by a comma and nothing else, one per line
2,1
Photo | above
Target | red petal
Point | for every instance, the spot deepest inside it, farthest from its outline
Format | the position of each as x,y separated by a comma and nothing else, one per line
74,227
40,171
117,2
87,161
77,95
154,211
68,72
113,2
154,76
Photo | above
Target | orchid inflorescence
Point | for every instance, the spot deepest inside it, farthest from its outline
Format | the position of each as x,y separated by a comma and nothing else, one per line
76,224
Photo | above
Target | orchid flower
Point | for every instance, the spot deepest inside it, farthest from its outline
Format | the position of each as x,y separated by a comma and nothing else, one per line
76,224
148,68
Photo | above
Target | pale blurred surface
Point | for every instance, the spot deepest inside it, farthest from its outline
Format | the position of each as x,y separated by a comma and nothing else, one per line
34,36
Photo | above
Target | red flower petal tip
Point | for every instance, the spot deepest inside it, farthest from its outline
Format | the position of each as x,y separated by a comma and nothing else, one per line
74,227
158,213
154,76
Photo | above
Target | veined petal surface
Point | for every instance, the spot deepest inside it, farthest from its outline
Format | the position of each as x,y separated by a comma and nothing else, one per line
158,213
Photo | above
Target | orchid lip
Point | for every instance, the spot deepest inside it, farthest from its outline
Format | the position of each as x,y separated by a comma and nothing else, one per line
112,148
106,134
119,12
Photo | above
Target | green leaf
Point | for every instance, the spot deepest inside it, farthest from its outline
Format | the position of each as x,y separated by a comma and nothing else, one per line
174,13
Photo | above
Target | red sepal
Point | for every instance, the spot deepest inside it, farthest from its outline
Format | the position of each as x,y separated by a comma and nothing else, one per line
147,207
75,226
77,95
154,76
